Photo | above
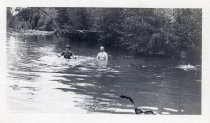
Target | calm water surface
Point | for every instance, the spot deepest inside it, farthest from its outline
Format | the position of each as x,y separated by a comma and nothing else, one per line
39,81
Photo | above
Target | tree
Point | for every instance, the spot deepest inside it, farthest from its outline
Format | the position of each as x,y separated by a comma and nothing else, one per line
147,31
10,18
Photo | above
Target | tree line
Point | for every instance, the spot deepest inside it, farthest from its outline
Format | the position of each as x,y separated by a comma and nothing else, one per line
147,31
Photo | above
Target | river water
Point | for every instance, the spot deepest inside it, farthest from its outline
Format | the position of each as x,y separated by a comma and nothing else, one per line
39,81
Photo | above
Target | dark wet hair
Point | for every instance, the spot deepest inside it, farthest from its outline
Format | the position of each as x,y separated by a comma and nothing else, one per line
67,46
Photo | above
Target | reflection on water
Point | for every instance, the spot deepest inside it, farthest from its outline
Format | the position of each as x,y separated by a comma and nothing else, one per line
39,81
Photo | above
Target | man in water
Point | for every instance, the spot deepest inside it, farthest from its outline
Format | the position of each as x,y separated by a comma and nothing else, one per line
102,58
67,53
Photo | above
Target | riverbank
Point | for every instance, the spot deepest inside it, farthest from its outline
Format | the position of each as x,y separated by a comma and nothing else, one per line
93,38
29,32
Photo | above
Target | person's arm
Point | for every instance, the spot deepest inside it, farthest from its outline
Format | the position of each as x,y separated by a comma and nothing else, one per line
106,57
73,56
97,57
61,54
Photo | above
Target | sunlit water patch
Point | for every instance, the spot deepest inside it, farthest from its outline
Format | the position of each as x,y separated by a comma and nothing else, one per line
187,67
53,60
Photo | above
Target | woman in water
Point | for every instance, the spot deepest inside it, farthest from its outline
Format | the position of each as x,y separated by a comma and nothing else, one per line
67,53
102,58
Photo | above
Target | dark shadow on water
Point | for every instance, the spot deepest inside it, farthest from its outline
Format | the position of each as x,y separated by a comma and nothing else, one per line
154,85
102,90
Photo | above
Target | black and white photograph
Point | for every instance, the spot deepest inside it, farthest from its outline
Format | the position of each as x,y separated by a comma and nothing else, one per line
102,60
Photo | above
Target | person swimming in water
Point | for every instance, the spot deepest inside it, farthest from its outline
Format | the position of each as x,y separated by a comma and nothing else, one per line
102,58
67,53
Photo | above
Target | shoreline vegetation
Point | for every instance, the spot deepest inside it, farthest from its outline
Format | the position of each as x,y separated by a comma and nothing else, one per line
29,32
149,32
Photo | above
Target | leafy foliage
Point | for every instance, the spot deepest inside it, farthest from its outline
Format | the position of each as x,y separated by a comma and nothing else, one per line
140,31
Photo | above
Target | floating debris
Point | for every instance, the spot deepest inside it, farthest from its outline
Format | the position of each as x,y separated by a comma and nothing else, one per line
170,109
85,84
148,108
16,87
84,69
143,109
110,76
187,67
80,79
165,113
158,76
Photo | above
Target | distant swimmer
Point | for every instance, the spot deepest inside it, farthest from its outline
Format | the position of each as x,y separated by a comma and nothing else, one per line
67,53
102,58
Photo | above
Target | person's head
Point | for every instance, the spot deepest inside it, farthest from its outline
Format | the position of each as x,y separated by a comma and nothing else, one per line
68,47
102,48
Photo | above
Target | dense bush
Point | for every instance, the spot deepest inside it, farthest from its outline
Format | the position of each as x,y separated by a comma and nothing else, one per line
140,31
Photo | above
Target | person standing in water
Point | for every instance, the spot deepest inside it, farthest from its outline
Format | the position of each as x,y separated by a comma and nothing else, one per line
67,53
102,58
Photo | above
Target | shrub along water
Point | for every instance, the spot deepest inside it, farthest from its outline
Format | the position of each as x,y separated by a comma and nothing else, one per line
145,31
